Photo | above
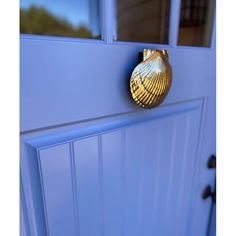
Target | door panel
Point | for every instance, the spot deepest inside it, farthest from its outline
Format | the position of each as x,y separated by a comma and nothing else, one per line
119,179
82,79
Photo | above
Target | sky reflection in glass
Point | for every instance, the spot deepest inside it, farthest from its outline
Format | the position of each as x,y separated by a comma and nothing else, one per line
77,13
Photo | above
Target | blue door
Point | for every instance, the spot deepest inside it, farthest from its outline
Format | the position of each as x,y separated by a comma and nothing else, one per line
93,163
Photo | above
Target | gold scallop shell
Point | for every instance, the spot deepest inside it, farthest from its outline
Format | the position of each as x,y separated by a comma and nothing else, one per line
151,79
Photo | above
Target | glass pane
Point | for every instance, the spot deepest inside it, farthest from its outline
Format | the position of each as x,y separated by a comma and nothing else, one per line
72,18
143,21
196,20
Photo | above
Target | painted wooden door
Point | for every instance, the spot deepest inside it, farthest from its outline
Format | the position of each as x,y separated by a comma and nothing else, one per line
93,163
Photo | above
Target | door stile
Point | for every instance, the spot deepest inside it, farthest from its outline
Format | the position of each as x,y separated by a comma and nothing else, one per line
107,12
213,34
174,22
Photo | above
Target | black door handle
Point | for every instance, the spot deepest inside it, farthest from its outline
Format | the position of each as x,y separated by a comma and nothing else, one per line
212,162
207,192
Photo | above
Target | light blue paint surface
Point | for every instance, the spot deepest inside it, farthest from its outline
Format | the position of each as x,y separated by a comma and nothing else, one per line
92,162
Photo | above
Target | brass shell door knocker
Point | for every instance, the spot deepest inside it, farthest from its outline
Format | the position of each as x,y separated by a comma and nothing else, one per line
151,79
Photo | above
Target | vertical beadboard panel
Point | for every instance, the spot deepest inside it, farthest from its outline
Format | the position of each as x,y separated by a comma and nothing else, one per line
133,186
185,159
165,161
148,172
112,180
57,188
157,182
177,171
133,181
190,150
88,177
174,173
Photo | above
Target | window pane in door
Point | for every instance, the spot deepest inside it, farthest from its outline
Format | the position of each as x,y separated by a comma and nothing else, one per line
69,18
196,20
142,21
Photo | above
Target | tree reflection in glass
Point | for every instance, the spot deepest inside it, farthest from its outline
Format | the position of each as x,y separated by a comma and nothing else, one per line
71,18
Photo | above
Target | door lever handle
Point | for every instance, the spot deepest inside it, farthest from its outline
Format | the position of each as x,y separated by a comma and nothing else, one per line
207,192
212,162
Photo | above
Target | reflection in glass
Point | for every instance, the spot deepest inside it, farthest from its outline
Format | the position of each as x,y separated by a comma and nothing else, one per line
143,21
72,18
196,20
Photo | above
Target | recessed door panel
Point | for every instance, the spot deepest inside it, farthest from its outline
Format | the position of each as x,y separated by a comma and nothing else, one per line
112,181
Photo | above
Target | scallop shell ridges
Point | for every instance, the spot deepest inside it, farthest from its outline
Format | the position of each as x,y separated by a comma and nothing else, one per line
151,79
